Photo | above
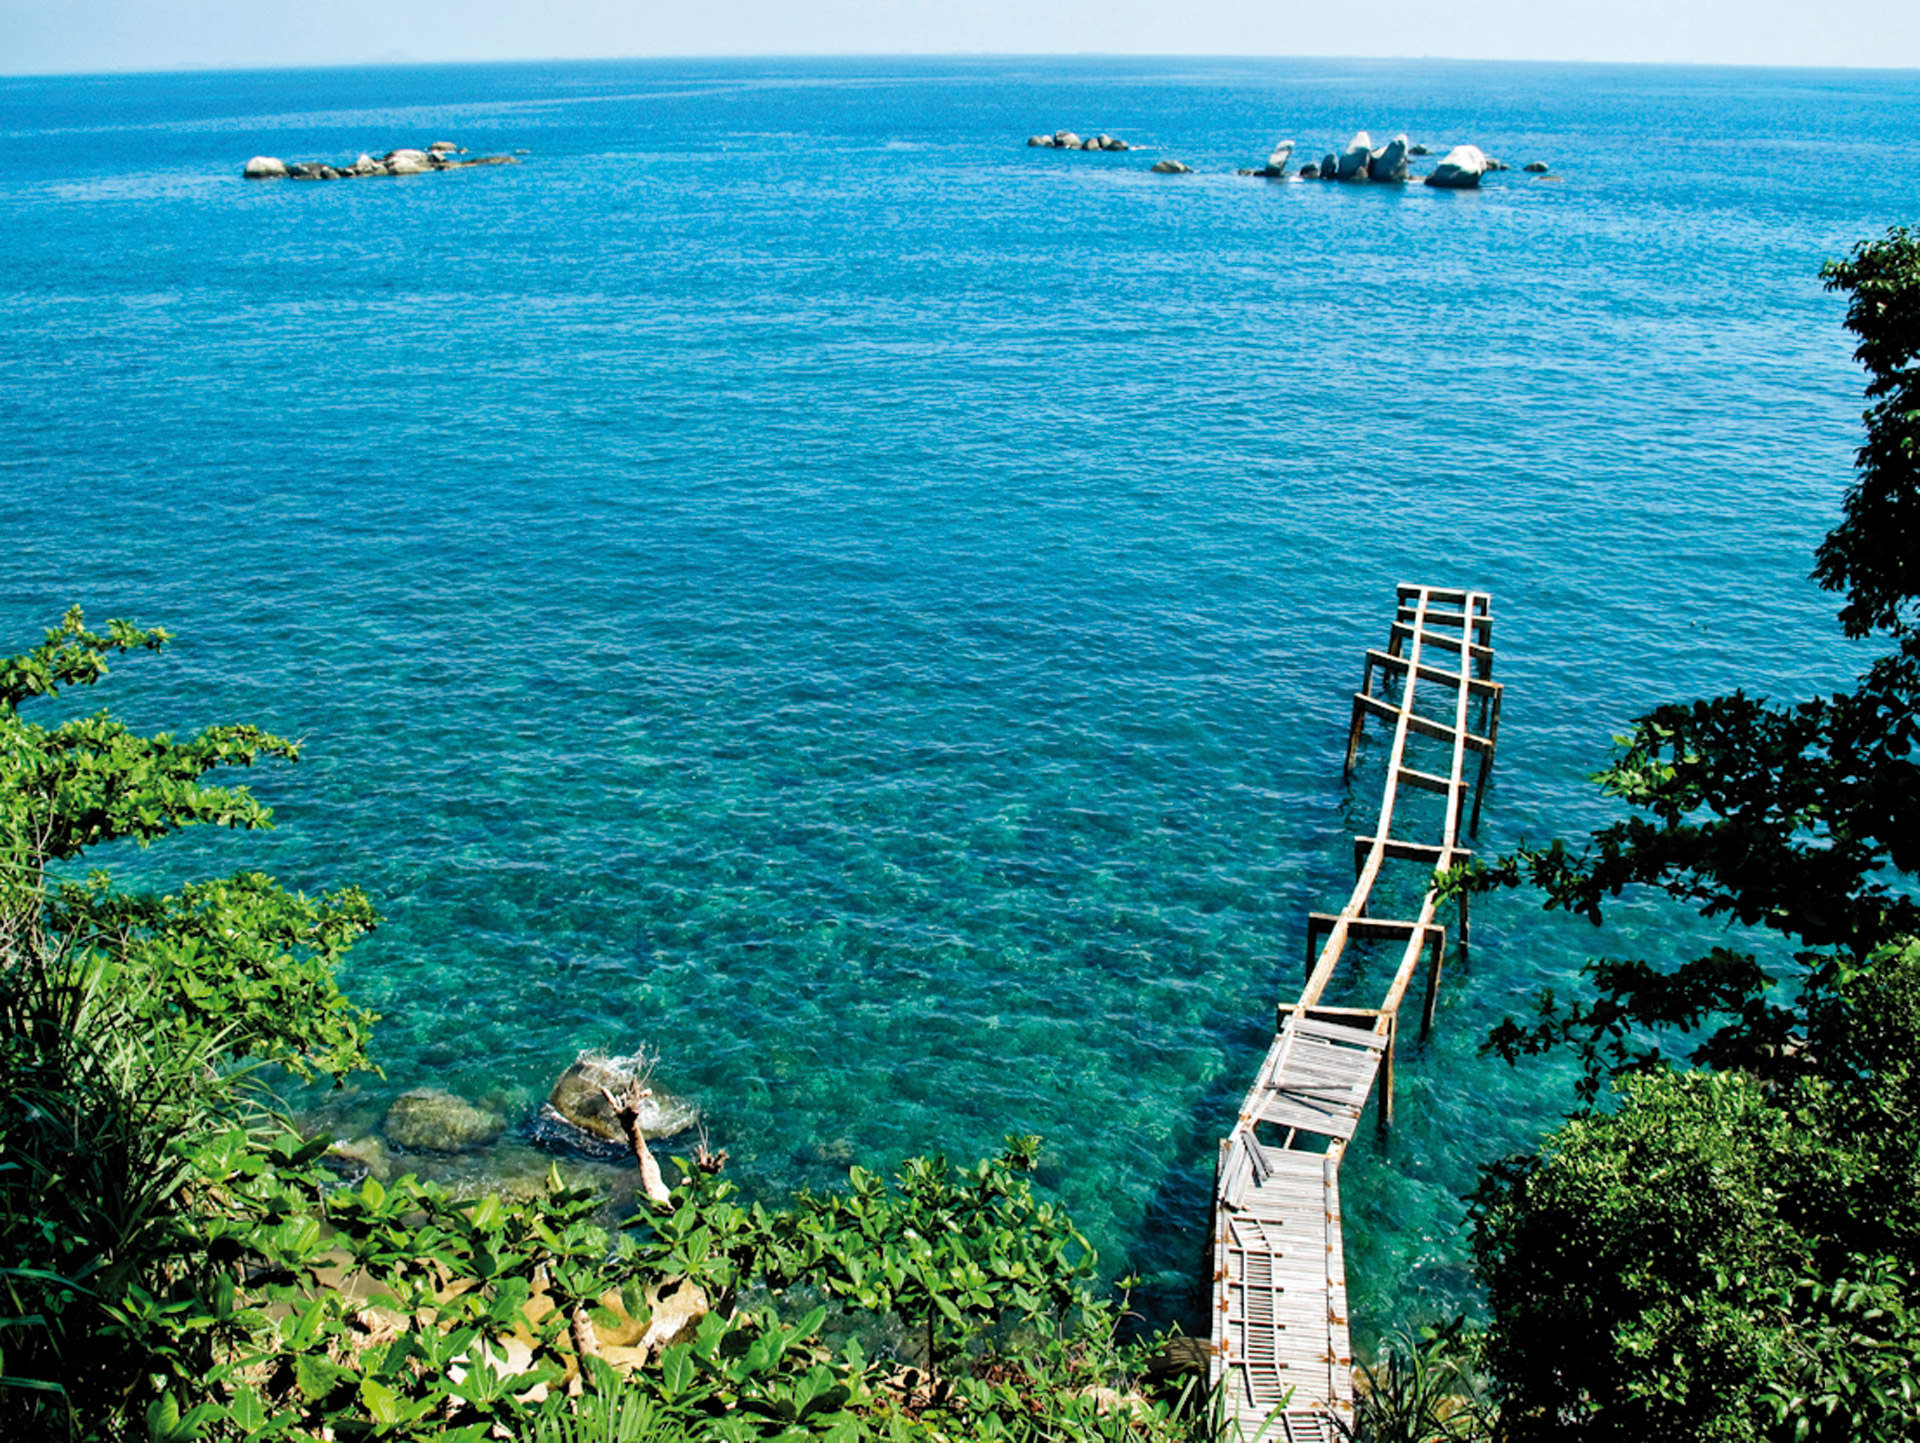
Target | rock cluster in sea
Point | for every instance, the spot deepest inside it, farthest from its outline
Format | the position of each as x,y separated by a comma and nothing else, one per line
441,155
1067,140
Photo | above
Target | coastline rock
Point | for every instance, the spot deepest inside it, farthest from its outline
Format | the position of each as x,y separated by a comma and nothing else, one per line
1171,167
1277,161
428,1119
577,1099
406,162
265,167
1354,159
1309,171
1329,166
1536,167
1389,163
1460,169
362,1157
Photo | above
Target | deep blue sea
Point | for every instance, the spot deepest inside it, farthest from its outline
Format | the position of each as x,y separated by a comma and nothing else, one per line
792,576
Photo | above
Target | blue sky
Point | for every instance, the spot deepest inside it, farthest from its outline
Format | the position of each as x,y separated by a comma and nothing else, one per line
39,36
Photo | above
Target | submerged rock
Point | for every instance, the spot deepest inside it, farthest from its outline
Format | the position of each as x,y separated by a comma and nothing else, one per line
1460,169
429,1119
1418,150
1536,167
362,1157
576,1099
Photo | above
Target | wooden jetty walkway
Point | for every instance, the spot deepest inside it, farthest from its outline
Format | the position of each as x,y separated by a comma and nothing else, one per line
1280,1342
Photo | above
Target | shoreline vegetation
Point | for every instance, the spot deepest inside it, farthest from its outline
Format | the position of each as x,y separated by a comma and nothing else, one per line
1722,1243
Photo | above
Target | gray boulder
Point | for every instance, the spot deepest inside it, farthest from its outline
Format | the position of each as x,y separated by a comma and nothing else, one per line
1113,144
1066,140
1329,166
1171,167
1355,158
442,145
407,162
430,1120
1046,140
1277,162
1389,162
577,1098
1460,169
265,167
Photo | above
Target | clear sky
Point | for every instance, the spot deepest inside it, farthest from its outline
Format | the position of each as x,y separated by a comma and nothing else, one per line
38,36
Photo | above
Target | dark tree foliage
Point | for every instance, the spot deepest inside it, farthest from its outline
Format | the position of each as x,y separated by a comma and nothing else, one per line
1804,819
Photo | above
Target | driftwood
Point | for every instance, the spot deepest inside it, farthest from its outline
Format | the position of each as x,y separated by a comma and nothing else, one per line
626,1106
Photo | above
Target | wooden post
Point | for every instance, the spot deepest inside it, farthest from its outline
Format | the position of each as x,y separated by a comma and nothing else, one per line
1354,729
1439,950
1385,1085
1466,931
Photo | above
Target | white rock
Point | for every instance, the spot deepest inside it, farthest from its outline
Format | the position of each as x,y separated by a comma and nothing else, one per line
266,167
1459,169
1389,162
1354,159
407,162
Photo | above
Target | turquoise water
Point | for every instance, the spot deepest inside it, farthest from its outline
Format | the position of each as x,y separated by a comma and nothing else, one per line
792,576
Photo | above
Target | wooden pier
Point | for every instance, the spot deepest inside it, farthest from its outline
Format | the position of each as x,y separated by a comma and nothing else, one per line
1280,1341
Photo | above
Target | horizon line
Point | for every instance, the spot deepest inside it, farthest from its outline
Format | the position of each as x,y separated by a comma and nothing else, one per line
398,62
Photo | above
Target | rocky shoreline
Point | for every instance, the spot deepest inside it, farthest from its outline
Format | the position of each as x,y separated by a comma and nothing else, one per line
441,155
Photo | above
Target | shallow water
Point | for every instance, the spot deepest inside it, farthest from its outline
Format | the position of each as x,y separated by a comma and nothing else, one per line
793,576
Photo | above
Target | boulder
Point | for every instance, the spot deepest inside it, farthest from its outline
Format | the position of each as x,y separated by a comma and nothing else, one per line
1309,171
312,170
1389,163
366,165
1277,162
362,1157
1418,150
1460,169
1040,140
1092,142
1354,159
442,145
1536,167
1493,165
430,1120
1329,166
1066,140
407,162
1113,144
265,167
1171,167
577,1098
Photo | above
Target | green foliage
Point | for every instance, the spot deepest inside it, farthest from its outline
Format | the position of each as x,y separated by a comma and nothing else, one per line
1721,1258
1426,1387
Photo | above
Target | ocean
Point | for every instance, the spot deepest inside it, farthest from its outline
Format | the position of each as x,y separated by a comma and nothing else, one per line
794,577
